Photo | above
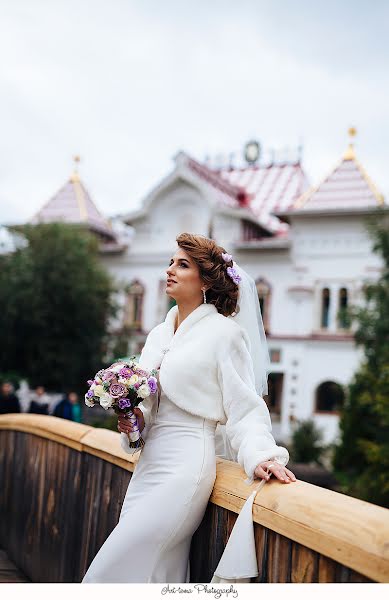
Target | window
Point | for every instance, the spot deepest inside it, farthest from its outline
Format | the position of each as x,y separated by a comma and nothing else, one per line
134,306
333,300
251,232
273,399
343,319
264,292
325,308
275,355
329,397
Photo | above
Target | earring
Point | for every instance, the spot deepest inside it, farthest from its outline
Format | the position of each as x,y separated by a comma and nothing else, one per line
205,297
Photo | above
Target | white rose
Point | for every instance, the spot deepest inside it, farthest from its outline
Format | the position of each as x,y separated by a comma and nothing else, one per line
133,379
106,401
99,391
117,368
144,391
88,401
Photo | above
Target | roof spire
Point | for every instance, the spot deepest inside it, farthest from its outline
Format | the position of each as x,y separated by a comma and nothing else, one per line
350,153
75,176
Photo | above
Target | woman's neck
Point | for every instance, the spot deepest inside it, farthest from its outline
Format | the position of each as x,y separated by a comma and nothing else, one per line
183,311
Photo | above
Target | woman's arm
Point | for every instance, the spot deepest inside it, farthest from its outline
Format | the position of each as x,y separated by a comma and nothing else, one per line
248,425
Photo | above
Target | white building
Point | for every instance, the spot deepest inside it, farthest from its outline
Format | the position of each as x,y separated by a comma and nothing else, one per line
306,248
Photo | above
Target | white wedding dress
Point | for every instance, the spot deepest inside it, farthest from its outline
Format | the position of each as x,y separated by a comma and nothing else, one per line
164,505
165,502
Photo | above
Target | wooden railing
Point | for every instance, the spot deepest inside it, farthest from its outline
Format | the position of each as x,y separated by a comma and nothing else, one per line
62,485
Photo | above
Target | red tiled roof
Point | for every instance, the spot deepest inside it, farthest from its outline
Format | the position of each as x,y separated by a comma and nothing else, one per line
270,188
259,189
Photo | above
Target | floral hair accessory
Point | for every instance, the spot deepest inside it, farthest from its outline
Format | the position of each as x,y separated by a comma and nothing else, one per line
234,275
231,271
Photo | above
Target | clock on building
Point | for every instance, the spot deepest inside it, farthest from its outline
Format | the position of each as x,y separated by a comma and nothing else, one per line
252,151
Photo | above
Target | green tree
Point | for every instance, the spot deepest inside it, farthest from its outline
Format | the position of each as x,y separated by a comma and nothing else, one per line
55,306
306,443
361,460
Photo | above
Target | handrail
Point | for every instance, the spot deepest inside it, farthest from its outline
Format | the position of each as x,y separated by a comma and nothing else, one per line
350,531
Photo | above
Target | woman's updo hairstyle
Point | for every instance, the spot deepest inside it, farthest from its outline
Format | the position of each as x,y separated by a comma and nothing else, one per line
222,290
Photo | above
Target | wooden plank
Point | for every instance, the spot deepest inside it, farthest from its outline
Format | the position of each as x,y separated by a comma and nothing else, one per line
279,558
62,431
9,573
105,444
304,567
260,537
205,551
327,570
104,488
349,531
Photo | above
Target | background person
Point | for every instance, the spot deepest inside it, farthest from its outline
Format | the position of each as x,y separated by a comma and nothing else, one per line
8,401
39,401
69,408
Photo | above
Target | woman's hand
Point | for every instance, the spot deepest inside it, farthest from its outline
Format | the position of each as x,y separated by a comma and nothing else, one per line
265,469
124,424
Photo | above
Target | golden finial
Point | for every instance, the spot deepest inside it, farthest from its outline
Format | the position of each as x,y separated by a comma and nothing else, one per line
75,177
350,154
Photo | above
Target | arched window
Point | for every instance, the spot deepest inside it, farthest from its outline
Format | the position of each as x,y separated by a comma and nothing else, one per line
325,308
133,309
343,319
329,397
264,292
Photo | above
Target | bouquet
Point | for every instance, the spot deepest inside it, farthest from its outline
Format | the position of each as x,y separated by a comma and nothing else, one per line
122,387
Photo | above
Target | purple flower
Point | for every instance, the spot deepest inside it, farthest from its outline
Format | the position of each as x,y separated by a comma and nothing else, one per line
141,373
117,390
124,403
109,375
226,257
90,393
90,381
125,372
152,384
234,275
137,385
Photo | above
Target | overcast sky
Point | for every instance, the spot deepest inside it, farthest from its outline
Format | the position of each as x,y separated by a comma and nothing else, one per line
128,83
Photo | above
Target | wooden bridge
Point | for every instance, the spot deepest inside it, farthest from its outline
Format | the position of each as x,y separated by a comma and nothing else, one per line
63,483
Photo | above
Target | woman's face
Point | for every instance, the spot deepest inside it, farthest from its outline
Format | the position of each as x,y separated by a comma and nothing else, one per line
183,278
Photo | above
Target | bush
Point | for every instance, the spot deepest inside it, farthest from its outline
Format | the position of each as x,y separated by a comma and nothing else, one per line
108,422
307,446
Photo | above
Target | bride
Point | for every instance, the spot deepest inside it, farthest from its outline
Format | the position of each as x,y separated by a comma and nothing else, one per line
211,356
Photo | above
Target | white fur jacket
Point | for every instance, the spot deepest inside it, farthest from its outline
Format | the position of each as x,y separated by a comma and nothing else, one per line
206,369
